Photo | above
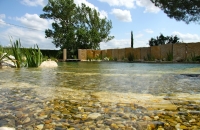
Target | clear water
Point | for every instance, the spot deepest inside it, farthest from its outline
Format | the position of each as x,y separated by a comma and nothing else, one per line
108,81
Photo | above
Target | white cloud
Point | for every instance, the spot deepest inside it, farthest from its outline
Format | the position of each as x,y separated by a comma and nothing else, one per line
34,21
187,37
139,35
27,37
103,13
123,43
116,43
148,31
2,16
2,22
148,5
33,2
122,15
126,3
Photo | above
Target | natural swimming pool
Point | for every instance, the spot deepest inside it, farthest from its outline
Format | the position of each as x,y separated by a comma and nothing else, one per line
101,95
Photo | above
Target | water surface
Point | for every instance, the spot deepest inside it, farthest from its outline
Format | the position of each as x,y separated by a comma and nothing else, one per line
149,86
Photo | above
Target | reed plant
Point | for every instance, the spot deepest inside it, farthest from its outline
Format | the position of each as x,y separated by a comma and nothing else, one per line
17,53
33,56
26,57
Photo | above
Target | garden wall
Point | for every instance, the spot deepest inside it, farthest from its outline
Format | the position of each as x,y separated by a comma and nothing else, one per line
144,52
178,52
193,49
82,54
155,52
165,50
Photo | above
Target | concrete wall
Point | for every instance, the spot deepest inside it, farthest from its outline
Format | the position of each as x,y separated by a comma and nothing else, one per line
82,54
193,49
109,53
144,52
121,54
115,53
97,53
164,50
90,54
128,51
104,53
137,53
155,52
180,52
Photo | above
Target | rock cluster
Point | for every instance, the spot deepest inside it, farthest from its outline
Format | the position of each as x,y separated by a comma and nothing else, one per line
22,108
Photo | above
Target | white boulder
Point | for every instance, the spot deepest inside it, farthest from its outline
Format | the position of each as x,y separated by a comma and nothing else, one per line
6,62
48,64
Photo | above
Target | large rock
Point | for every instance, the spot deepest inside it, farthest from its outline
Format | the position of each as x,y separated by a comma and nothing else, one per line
48,64
6,128
7,62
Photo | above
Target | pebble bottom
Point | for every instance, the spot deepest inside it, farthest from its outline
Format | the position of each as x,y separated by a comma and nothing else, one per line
23,109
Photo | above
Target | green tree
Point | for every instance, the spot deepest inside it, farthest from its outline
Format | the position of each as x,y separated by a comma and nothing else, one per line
160,40
181,10
132,39
75,27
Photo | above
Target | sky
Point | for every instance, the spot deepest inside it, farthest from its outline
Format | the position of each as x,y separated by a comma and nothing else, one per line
19,19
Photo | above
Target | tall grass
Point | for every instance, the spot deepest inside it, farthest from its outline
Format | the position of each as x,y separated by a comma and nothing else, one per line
17,53
29,57
33,56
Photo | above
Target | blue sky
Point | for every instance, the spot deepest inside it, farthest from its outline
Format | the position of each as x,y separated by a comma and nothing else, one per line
19,19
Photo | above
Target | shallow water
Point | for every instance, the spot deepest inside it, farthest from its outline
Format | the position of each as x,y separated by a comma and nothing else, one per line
113,91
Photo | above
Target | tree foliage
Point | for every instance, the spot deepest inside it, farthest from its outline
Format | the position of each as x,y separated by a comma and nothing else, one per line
161,40
131,39
181,10
75,27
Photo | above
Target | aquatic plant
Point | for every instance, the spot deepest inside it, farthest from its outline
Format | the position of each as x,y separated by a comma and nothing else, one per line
17,53
33,56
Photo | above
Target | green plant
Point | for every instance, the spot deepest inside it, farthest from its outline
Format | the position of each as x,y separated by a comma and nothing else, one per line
16,51
169,56
194,57
149,57
33,56
115,59
131,57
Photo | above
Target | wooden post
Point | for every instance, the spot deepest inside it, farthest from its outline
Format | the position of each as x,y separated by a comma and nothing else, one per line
64,54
